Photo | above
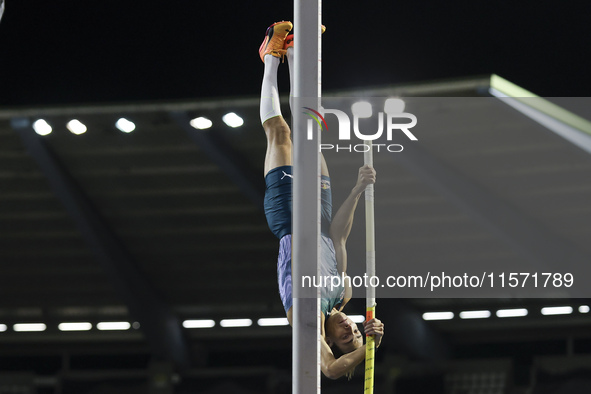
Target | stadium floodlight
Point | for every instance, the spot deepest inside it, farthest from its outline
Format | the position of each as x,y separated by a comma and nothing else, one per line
475,314
236,323
233,120
361,109
82,326
113,326
29,327
518,312
557,310
201,123
41,127
203,323
357,318
125,125
76,127
272,321
394,106
438,315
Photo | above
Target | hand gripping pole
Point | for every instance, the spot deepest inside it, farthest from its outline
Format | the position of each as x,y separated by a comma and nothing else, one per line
370,262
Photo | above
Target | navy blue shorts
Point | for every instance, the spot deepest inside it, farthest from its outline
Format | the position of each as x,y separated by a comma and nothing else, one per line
278,201
278,212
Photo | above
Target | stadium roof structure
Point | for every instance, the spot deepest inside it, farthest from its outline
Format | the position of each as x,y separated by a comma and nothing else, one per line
165,223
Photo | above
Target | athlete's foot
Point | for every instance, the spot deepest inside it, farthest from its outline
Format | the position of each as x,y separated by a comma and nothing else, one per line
289,39
274,41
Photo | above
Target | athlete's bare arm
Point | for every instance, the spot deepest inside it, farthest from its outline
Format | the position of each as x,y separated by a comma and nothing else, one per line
342,222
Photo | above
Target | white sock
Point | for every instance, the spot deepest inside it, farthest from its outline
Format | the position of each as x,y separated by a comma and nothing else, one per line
290,61
270,106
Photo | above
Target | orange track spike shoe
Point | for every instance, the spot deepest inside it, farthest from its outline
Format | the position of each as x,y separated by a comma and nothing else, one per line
275,40
289,39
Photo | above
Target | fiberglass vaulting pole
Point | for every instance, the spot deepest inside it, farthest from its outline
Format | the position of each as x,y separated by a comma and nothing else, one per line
306,199
370,270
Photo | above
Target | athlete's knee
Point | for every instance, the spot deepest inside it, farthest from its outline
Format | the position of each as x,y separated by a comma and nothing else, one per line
278,132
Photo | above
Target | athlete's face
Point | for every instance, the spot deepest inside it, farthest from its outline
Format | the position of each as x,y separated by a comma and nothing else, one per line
343,332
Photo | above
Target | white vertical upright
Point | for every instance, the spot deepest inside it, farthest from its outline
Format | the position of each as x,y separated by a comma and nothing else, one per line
370,241
306,199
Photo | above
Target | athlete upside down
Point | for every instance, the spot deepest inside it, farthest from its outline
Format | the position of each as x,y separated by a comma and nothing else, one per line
342,348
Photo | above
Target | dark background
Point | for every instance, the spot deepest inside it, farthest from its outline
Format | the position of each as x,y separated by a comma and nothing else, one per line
69,51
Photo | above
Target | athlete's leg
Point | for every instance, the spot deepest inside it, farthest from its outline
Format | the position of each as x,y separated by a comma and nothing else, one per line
277,131
277,177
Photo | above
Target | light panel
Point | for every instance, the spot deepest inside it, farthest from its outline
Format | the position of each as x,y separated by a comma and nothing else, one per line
357,318
557,310
82,326
125,125
41,127
394,105
201,123
273,322
518,312
483,314
232,120
438,315
113,326
29,327
236,323
76,127
361,109
204,323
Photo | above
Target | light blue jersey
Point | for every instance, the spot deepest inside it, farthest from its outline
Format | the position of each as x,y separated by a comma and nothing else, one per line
330,297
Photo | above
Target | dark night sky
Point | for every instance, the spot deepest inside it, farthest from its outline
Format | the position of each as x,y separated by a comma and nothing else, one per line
75,51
